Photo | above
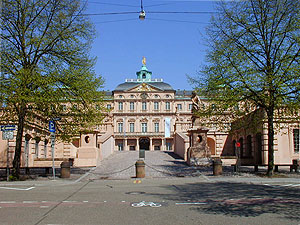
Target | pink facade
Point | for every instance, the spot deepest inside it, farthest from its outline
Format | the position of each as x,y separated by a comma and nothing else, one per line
147,113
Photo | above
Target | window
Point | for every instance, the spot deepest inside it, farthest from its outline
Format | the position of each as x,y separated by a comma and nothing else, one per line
37,148
190,106
120,127
296,134
156,127
179,107
144,76
121,106
168,106
144,127
131,106
156,106
131,127
108,106
45,148
144,106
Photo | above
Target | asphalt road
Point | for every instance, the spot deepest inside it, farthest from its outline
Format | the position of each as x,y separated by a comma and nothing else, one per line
193,200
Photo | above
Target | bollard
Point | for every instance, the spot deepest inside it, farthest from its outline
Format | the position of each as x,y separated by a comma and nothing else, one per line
217,167
140,169
65,170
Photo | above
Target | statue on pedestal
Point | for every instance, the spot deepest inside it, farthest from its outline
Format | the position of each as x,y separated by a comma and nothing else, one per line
198,152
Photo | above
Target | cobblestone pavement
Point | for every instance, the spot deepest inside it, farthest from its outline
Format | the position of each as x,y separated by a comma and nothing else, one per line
158,164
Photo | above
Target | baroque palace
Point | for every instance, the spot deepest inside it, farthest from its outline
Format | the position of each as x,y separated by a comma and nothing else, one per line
146,113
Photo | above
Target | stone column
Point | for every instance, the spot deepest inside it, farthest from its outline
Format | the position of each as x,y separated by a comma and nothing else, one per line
151,145
125,144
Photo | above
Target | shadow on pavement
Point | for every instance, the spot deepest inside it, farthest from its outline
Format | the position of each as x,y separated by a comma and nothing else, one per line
237,199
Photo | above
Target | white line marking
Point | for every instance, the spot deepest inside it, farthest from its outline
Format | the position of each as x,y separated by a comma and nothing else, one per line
7,202
85,201
296,185
44,206
287,185
190,203
18,189
69,201
29,201
123,201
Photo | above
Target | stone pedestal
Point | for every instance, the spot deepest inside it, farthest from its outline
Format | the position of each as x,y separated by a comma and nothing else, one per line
198,152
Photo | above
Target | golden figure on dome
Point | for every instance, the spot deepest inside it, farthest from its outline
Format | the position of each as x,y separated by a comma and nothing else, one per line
144,61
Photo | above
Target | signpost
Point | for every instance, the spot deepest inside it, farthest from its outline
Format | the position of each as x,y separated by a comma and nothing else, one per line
7,134
52,130
238,151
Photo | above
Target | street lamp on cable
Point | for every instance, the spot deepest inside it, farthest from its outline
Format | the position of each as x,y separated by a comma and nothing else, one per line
142,13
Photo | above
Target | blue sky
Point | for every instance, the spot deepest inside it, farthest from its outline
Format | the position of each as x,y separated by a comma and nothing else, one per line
173,44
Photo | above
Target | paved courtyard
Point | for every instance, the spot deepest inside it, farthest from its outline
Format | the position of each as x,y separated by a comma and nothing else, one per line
121,165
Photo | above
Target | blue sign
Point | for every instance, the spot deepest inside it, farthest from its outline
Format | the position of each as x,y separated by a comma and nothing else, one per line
8,127
52,126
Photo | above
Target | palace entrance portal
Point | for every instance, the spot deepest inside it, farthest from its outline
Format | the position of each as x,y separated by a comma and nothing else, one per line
144,143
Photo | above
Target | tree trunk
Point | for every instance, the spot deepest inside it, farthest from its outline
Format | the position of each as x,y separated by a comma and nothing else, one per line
18,149
270,115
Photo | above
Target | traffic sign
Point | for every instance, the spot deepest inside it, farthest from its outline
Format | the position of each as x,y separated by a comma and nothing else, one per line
238,144
52,126
7,135
8,127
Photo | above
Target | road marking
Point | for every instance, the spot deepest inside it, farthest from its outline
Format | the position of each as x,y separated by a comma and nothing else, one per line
282,185
85,201
44,206
143,203
69,201
7,202
190,203
18,189
29,202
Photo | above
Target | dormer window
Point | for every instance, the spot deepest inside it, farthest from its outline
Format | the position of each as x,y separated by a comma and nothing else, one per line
144,76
